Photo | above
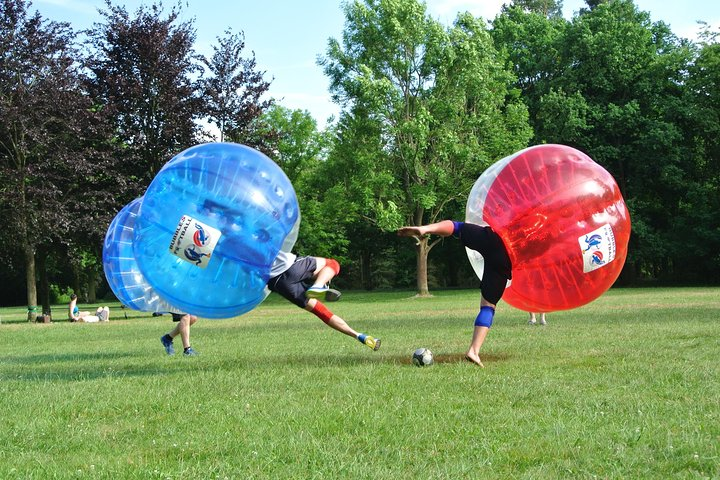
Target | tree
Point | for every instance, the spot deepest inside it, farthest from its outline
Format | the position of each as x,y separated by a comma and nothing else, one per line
695,230
301,151
49,135
232,94
142,71
427,109
298,147
630,74
533,44
546,8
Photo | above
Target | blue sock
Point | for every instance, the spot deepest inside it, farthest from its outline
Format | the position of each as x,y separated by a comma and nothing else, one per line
361,338
485,317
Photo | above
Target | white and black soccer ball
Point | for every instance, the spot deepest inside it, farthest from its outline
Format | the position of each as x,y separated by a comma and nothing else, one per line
422,357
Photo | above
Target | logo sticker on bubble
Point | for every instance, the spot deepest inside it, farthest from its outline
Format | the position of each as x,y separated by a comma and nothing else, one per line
598,248
194,241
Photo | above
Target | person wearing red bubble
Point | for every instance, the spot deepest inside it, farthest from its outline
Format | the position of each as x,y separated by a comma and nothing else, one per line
304,282
497,270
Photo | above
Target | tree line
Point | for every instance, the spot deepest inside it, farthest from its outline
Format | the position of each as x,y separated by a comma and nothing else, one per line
88,118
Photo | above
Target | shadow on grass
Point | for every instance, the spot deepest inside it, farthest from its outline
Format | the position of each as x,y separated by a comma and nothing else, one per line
64,357
335,360
460,358
43,367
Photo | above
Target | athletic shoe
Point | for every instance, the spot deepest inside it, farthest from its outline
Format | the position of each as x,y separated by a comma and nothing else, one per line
543,322
317,292
189,352
332,295
531,322
167,342
323,293
373,343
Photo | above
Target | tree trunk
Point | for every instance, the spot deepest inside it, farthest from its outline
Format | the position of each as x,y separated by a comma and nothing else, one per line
76,282
92,286
365,267
422,248
30,282
44,292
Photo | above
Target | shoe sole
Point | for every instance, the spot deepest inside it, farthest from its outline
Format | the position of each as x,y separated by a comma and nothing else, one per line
332,295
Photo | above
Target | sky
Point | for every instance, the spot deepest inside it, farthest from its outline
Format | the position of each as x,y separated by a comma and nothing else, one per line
288,36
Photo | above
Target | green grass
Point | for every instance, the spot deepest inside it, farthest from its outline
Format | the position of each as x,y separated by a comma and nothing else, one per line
627,387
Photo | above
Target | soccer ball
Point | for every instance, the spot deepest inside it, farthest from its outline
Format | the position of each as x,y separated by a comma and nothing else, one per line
422,357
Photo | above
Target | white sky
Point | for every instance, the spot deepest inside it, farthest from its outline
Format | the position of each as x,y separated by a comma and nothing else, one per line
287,36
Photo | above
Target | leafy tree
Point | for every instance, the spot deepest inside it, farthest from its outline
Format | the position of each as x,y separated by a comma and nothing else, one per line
427,109
546,8
301,150
142,71
629,73
533,44
232,95
50,139
695,230
298,146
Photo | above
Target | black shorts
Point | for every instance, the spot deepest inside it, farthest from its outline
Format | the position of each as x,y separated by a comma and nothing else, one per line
293,282
498,268
177,316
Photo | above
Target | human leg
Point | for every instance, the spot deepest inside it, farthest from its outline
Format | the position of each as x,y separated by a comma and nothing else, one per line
167,339
103,313
335,322
532,319
182,328
326,269
483,322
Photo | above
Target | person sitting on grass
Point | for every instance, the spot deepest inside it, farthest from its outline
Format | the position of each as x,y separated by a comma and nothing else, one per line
102,314
304,282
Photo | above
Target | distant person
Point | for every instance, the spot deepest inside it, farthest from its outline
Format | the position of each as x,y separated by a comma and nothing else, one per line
102,314
533,320
184,322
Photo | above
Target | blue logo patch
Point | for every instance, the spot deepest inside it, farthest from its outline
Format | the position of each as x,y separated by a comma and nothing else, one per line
593,241
195,256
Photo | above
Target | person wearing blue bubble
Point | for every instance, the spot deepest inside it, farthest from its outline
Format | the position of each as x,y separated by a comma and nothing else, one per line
304,282
496,273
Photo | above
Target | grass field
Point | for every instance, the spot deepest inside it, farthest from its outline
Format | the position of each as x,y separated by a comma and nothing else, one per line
627,387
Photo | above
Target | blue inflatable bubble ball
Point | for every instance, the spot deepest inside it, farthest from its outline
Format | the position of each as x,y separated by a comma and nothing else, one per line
210,226
121,269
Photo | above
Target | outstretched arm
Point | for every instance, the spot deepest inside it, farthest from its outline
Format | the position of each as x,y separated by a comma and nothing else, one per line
444,229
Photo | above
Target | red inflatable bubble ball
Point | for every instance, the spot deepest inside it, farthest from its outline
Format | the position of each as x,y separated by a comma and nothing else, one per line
563,221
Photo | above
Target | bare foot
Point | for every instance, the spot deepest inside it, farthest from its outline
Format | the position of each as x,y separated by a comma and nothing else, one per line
474,358
409,232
